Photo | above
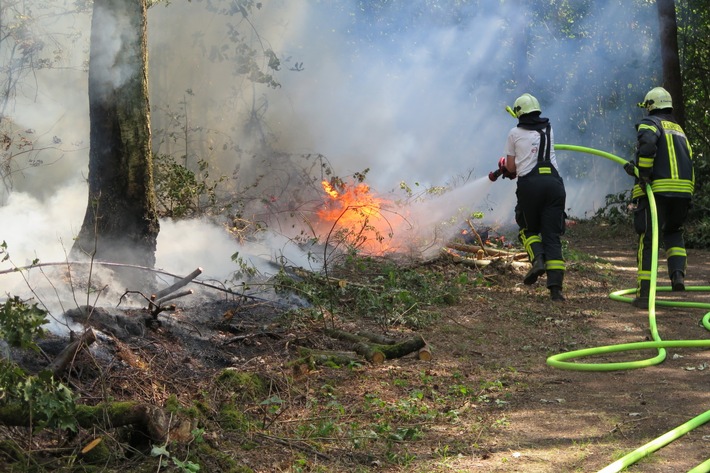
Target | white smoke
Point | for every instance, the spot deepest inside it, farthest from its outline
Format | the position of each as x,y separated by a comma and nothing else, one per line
414,91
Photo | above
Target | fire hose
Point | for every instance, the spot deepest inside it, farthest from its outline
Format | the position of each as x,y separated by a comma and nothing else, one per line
560,360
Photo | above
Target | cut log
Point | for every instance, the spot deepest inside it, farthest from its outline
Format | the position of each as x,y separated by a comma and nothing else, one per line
377,353
377,338
312,358
424,353
370,352
148,419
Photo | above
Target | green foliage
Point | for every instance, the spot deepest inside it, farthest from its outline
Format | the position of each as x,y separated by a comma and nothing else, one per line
616,209
182,193
49,403
248,386
697,234
246,59
693,29
183,466
21,323
381,291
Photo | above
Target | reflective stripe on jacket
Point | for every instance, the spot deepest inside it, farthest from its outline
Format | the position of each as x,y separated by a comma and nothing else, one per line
665,156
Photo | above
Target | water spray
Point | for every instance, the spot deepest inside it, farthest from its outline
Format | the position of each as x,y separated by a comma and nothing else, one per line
560,360
494,175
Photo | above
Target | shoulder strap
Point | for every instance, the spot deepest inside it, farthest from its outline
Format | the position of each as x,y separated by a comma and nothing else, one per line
543,152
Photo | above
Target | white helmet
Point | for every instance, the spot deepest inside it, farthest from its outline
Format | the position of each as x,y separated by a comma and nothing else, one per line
657,98
526,103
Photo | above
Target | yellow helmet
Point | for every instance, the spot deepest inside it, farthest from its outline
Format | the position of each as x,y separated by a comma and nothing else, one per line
657,98
526,103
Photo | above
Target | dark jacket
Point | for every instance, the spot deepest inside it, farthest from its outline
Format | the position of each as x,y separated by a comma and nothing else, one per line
664,156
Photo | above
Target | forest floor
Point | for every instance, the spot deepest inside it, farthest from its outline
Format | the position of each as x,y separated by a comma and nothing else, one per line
487,401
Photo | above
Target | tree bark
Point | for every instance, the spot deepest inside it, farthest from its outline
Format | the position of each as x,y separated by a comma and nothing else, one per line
375,352
151,420
121,223
672,77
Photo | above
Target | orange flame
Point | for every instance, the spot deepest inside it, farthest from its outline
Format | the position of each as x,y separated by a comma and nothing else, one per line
355,210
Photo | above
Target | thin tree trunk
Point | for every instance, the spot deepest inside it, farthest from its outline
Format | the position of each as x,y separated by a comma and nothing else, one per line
672,78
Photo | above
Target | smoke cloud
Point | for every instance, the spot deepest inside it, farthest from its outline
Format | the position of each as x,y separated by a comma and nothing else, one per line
412,91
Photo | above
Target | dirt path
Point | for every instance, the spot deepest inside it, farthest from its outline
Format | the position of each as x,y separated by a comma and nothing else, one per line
578,421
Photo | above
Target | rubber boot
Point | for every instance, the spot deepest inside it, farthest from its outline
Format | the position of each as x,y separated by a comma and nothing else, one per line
641,300
556,293
677,281
537,270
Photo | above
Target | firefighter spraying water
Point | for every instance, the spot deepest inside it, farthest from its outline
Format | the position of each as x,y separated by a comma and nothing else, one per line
540,209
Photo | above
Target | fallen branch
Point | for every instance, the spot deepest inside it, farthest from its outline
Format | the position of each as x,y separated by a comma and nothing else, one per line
488,251
70,351
141,268
171,297
478,237
297,444
311,358
377,353
177,285
247,336
149,420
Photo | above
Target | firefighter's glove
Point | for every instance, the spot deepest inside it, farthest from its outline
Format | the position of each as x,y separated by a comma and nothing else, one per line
630,168
644,181
509,175
504,170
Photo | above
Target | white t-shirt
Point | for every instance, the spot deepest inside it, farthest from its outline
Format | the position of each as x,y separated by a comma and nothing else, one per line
524,145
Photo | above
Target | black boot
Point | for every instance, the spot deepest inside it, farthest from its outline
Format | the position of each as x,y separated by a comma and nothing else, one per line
677,281
641,301
556,293
537,270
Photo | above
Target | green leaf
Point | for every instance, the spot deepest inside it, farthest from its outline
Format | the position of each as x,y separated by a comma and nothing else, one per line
158,451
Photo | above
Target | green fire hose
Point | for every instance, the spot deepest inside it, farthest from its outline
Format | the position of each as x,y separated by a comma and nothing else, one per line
561,360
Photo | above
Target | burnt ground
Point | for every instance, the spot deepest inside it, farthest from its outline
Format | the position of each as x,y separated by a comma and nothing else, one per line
487,401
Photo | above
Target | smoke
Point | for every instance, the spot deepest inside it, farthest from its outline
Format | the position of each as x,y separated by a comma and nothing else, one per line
412,91
111,71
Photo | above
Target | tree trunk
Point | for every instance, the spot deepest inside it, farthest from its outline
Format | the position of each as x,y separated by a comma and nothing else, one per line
672,78
121,223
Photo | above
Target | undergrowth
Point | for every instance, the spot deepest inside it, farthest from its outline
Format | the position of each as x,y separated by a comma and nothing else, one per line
382,291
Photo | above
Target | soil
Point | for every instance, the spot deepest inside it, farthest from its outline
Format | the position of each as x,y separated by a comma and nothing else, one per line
507,409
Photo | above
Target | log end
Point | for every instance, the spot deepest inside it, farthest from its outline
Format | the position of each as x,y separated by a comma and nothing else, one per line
424,354
377,358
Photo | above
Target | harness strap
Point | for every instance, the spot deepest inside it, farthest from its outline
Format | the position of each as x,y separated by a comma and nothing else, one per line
543,153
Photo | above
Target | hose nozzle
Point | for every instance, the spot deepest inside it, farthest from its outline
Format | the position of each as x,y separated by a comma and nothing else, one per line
494,175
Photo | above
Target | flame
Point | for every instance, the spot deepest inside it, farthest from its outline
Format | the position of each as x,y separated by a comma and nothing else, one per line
356,211
330,189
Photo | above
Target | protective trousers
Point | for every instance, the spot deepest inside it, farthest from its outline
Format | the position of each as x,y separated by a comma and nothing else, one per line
671,213
540,214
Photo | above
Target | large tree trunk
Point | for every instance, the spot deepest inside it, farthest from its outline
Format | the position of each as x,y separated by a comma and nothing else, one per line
672,78
121,223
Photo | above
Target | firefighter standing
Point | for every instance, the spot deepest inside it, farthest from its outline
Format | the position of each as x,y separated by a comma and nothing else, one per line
664,160
541,196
